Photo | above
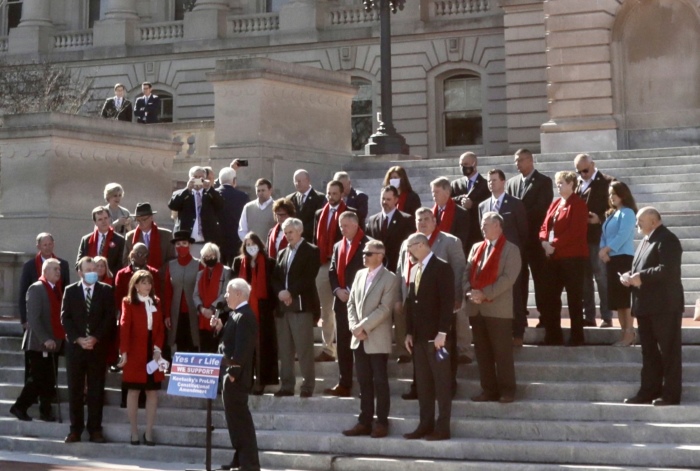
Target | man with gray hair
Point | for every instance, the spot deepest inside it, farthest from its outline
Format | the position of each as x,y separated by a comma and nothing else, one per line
306,201
294,284
234,200
352,197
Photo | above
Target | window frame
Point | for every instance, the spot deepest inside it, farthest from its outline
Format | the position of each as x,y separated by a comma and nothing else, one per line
373,112
6,16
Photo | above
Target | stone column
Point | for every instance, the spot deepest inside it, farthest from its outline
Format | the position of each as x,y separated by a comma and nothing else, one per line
118,26
121,10
34,34
207,20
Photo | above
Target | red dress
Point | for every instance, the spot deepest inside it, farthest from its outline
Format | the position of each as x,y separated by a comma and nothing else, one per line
134,341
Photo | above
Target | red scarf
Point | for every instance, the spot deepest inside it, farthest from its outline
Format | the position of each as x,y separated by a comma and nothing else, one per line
489,272
94,241
271,249
55,301
154,254
108,281
325,233
39,263
258,281
402,201
344,256
431,241
209,291
448,215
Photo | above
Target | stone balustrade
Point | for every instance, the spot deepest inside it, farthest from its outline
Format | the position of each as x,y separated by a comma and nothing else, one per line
246,24
160,32
73,40
352,16
450,8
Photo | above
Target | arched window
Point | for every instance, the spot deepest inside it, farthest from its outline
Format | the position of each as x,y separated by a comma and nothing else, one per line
361,113
11,15
462,111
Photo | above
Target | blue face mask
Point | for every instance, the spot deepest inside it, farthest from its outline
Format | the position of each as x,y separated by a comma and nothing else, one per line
90,277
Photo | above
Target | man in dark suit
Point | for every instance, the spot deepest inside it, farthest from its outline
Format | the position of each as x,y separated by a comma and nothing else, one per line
429,318
233,202
147,106
103,241
306,202
536,192
345,262
658,304
156,239
352,197
450,217
391,226
198,207
469,191
237,344
593,189
118,107
294,284
87,315
515,230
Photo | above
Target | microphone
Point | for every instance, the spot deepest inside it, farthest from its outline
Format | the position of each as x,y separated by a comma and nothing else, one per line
218,309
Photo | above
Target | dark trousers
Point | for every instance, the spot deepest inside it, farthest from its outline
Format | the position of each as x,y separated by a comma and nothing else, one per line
40,382
79,364
374,382
493,345
536,260
433,382
566,273
660,337
519,321
240,425
343,339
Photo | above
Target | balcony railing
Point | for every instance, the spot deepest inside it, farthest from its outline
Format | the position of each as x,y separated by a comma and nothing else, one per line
352,16
73,40
443,9
249,24
160,32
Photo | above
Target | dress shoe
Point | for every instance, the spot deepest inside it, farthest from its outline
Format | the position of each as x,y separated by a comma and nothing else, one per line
379,431
358,430
663,402
97,437
283,393
338,391
72,437
589,323
135,441
517,342
437,436
637,400
148,442
258,392
464,360
506,399
47,417
403,359
605,324
20,414
305,394
323,356
114,369
411,395
417,433
483,397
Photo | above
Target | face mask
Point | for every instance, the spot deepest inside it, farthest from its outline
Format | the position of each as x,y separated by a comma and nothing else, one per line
90,277
182,251
467,171
395,182
252,250
210,262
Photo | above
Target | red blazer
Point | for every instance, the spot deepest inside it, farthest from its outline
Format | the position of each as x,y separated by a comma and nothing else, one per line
570,229
134,340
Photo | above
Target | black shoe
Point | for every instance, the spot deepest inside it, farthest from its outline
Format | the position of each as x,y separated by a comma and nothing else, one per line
663,402
539,325
637,400
47,417
135,442
283,393
589,323
411,395
148,442
403,359
305,394
114,369
20,414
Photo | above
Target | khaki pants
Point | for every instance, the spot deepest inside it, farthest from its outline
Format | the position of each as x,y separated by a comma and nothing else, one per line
464,332
323,285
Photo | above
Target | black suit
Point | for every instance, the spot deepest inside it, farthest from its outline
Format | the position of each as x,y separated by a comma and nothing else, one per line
147,110
399,228
301,277
115,259
344,336
477,193
427,313
183,201
98,322
238,338
30,276
123,113
360,201
462,227
307,211
536,194
229,216
658,305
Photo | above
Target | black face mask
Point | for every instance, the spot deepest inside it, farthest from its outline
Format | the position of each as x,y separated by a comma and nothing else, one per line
210,262
467,171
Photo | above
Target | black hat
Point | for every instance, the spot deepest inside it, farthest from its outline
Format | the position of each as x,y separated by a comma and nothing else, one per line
143,209
182,235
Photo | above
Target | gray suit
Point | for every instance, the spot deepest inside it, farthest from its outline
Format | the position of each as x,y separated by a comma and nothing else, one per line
372,310
39,328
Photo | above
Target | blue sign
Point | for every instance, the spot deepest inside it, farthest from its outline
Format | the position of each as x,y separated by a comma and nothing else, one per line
195,375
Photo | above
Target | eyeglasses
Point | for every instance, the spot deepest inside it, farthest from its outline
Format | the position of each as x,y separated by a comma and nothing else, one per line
581,172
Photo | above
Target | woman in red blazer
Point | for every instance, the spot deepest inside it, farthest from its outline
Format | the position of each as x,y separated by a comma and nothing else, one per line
142,337
563,235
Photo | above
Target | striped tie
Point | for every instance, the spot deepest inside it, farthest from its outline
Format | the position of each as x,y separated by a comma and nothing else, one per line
88,299
102,244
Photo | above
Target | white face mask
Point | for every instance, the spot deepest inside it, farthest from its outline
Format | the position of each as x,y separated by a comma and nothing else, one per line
252,250
395,182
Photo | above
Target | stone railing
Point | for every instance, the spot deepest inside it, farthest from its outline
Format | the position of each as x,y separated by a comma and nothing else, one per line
73,40
443,9
249,24
160,32
352,16
3,44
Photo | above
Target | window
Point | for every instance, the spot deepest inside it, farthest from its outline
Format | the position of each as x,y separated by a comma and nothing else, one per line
461,116
274,5
361,113
182,6
94,10
12,14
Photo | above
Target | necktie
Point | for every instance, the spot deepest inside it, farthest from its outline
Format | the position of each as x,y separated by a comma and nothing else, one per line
439,216
416,280
119,103
198,202
102,244
88,298
147,240
469,186
385,225
496,206
331,213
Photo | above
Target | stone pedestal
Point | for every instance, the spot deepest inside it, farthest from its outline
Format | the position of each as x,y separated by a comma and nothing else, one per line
281,117
118,26
55,168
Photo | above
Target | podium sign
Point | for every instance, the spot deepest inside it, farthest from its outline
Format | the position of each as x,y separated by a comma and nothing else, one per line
195,375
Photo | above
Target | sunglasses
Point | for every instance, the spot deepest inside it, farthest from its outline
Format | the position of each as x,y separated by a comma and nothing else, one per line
581,172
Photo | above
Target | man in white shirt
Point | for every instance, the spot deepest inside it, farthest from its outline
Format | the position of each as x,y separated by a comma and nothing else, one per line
118,107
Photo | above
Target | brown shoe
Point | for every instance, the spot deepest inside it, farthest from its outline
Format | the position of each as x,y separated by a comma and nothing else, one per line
417,433
379,431
506,399
338,391
357,431
517,342
437,436
483,397
72,438
97,437
323,356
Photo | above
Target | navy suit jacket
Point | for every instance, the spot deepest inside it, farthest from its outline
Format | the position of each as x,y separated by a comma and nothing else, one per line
537,197
431,310
302,277
183,202
146,111
76,319
478,193
229,216
512,211
360,201
307,211
238,338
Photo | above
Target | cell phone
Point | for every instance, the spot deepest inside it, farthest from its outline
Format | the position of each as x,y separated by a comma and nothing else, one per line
198,181
242,163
